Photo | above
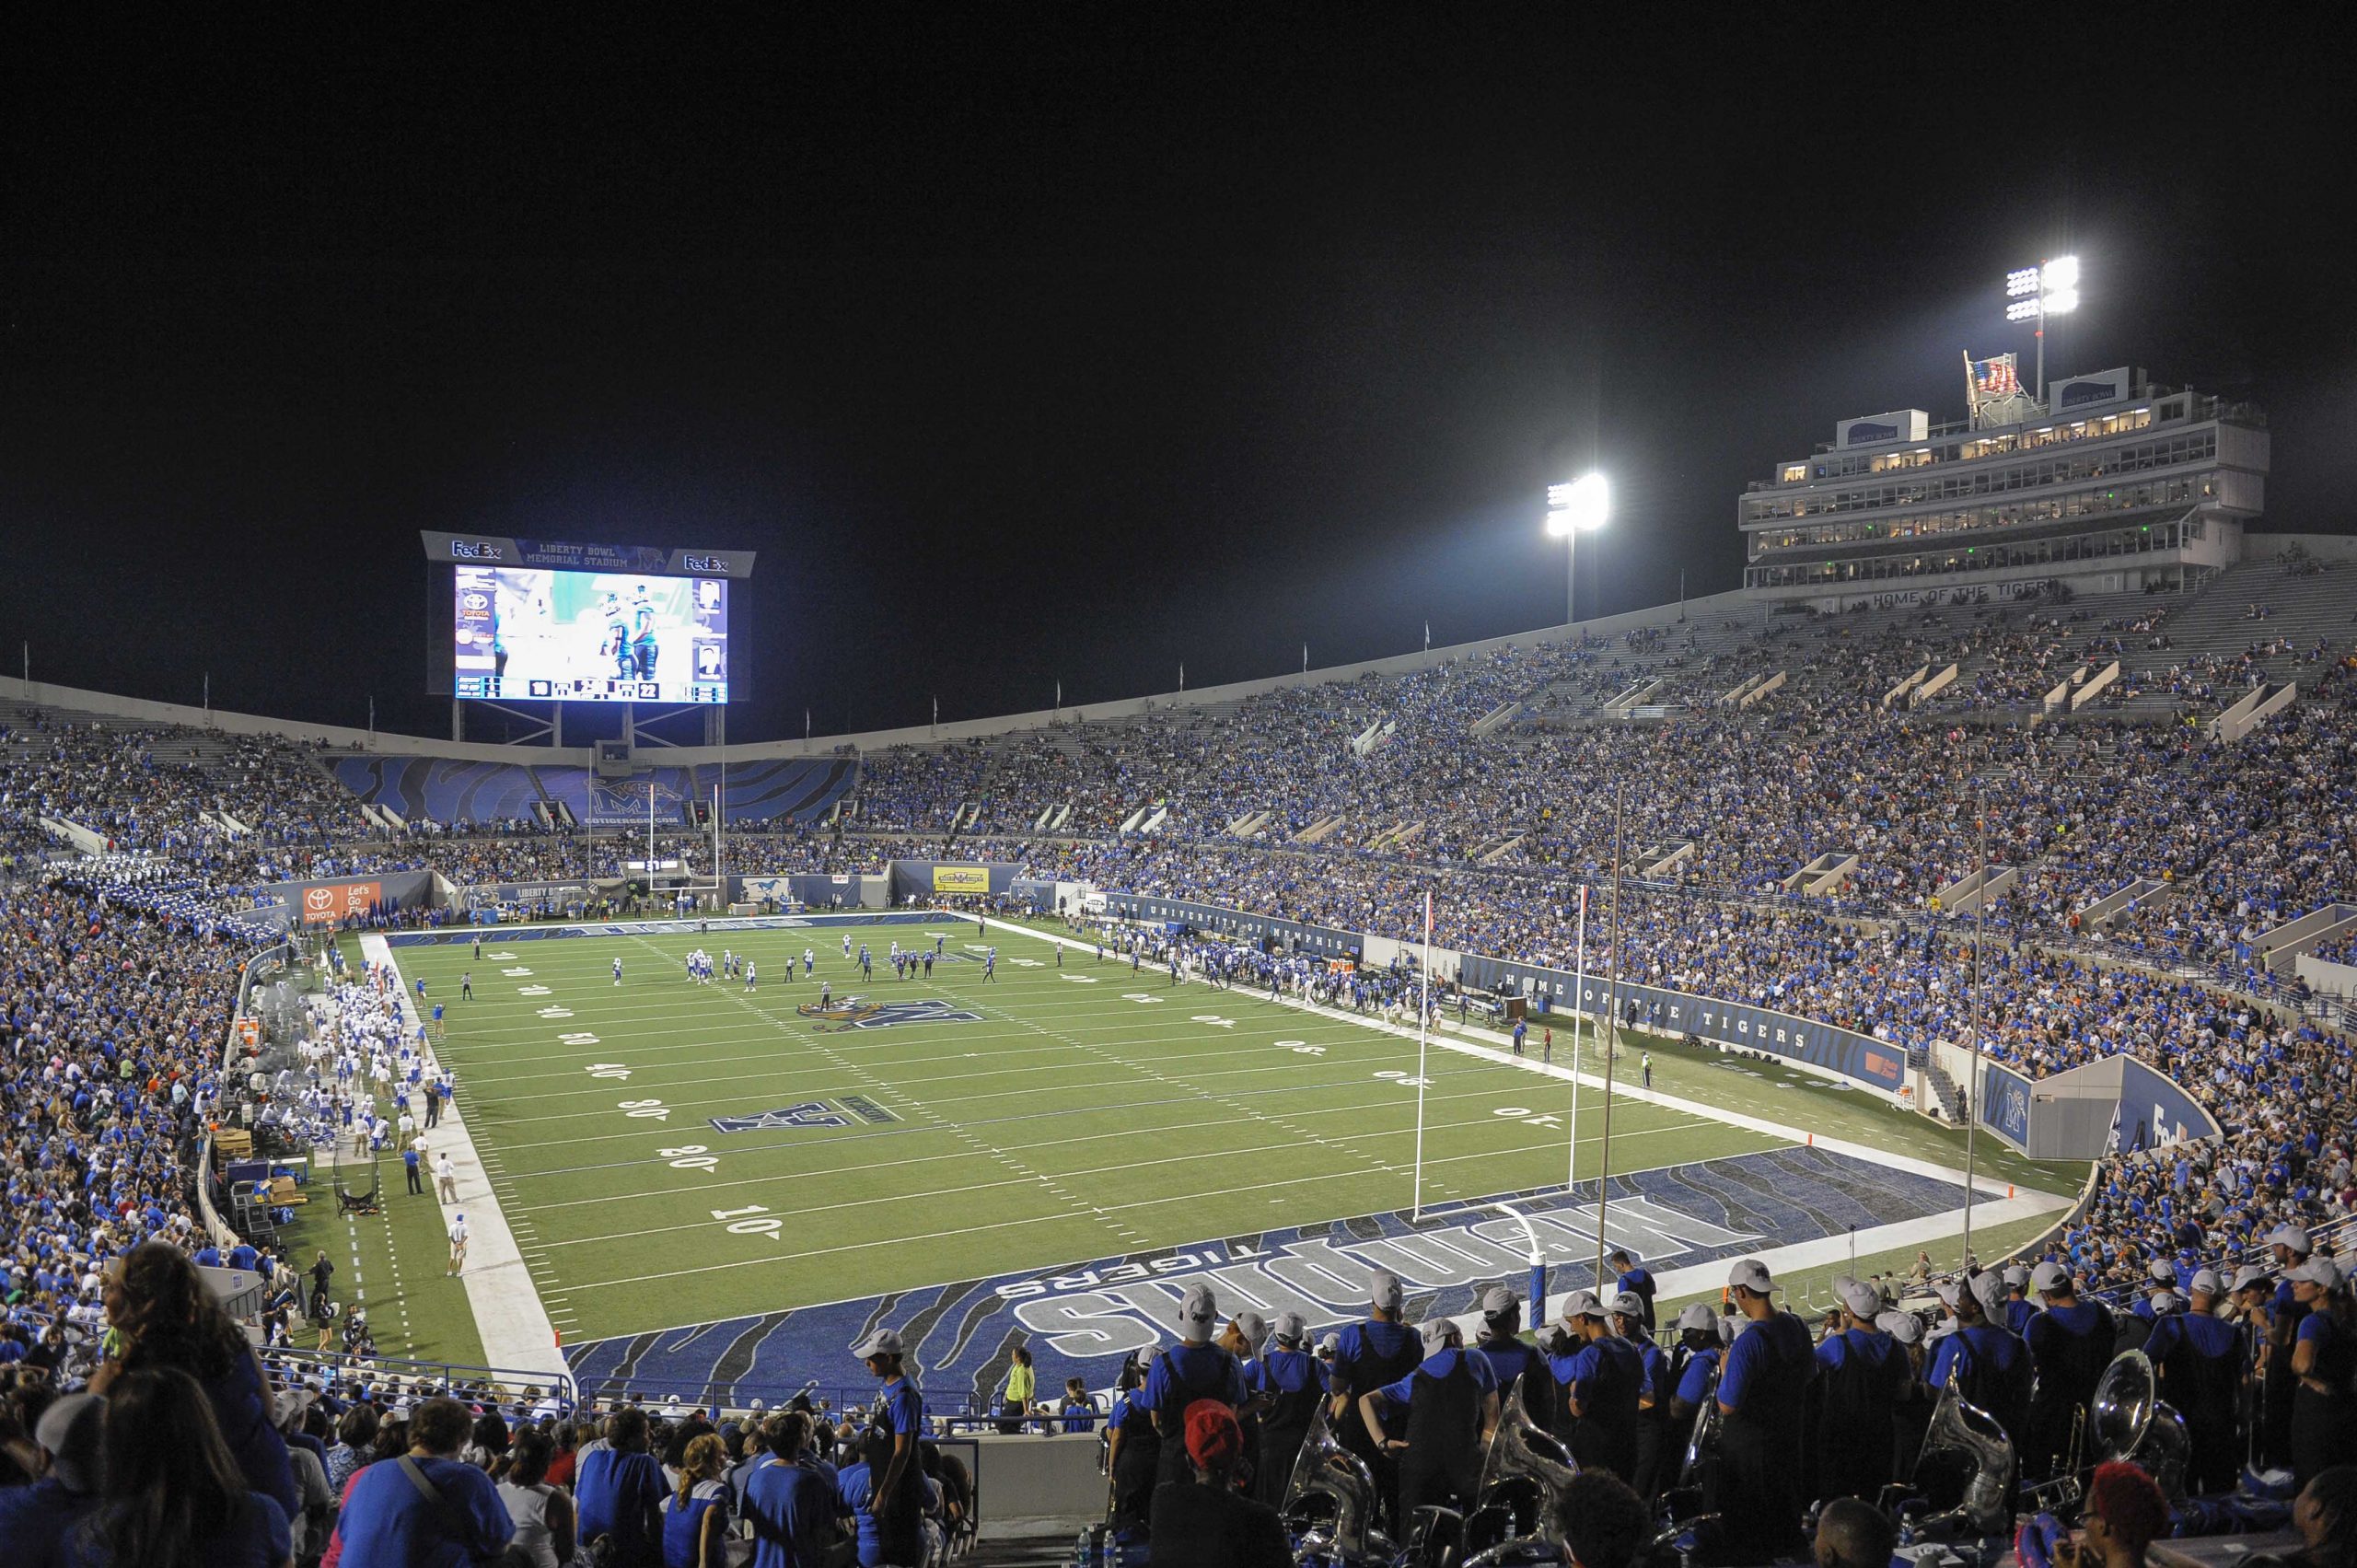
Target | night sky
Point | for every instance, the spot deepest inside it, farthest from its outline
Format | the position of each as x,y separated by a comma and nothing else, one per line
1073,345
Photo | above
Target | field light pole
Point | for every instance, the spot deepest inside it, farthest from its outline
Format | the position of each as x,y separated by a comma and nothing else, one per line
1573,509
1423,1016
2051,289
1973,1110
1611,1036
1579,1005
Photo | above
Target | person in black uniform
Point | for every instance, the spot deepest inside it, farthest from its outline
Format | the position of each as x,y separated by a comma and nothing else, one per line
1452,1403
2324,1358
1987,1361
1368,1355
1763,1385
1520,1371
1912,1415
1136,1452
2279,1386
2250,1291
1193,1369
2197,1358
1860,1369
1652,1393
1602,1382
1290,1383
2069,1345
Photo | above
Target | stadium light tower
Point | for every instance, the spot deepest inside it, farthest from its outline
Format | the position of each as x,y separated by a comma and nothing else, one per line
2051,289
1573,509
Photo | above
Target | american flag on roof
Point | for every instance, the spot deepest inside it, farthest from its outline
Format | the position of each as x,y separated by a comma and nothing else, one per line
1996,378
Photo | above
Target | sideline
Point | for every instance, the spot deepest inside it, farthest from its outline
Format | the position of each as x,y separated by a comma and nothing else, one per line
509,1316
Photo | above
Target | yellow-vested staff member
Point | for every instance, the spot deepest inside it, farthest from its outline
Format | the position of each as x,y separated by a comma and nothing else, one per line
1022,1387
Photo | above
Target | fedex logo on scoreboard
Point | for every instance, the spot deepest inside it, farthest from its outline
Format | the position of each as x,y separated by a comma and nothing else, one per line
476,550
714,564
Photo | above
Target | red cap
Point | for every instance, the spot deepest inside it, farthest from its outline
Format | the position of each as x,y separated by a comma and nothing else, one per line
1213,1440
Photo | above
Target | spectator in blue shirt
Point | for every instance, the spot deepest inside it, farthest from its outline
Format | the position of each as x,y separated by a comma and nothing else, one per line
791,1508
173,1496
389,1522
37,1521
2069,1345
695,1513
1763,1385
1193,1369
898,1414
1370,1354
1451,1400
619,1491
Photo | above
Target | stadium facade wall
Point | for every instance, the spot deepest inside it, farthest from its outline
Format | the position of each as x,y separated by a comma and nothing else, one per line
395,890
1853,1057
818,890
928,879
1316,941
2072,1114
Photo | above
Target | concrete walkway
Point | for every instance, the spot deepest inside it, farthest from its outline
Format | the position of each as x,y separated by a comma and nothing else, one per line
514,1325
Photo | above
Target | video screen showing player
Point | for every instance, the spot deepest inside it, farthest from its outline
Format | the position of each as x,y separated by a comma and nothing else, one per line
590,636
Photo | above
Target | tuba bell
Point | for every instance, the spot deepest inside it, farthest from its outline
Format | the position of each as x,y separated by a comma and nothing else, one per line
1524,1469
1962,1430
1330,1499
2129,1419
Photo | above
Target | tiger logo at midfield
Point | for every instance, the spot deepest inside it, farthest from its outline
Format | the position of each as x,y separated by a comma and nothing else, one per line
858,1013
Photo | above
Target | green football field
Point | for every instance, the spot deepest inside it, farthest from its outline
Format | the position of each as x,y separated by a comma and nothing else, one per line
1052,1116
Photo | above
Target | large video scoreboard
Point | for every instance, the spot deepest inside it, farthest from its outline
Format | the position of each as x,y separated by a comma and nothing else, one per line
539,620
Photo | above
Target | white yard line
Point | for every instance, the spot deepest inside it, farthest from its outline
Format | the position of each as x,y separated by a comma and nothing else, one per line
514,1328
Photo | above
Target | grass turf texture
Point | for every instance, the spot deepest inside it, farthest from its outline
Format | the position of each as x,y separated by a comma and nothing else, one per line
1069,1120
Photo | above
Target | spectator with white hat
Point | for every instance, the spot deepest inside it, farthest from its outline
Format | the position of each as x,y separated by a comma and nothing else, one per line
2070,1344
2199,1359
1291,1382
899,1414
1693,1370
1987,1360
36,1520
2324,1358
1521,1372
2019,1308
1629,1311
1861,1369
1374,1353
1193,1369
1601,1381
1762,1392
1451,1399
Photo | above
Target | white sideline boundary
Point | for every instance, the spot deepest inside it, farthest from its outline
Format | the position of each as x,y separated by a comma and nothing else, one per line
2003,1202
509,1316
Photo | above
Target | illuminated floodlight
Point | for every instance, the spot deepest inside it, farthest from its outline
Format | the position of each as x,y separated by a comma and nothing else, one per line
2061,274
2021,280
1577,507
2059,303
2023,310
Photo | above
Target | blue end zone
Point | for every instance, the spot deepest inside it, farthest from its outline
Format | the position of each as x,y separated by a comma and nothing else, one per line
1082,1322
